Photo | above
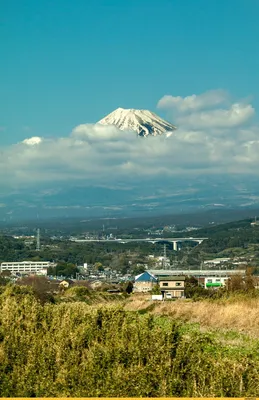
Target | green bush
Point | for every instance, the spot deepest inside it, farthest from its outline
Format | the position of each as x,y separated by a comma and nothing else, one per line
79,292
73,350
156,290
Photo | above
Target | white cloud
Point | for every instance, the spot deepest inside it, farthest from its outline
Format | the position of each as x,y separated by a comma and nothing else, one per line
97,132
32,141
207,141
236,115
208,110
194,102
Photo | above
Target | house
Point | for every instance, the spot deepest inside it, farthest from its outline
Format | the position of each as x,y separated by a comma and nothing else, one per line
217,261
214,282
172,286
144,282
66,283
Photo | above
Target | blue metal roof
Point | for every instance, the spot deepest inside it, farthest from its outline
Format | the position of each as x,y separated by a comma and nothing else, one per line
145,277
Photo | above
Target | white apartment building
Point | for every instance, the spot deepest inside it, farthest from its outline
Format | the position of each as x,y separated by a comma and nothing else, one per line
27,267
217,261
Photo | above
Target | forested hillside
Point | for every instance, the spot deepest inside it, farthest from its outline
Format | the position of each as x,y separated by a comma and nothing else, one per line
234,234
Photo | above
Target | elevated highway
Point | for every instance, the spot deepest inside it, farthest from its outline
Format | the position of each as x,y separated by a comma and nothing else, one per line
175,241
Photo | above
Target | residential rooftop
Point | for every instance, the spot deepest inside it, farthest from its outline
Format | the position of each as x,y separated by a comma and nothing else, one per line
172,278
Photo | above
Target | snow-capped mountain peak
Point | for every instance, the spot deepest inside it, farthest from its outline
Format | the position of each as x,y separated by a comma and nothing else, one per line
143,122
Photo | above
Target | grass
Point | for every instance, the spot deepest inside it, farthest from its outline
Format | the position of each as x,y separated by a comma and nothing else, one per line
237,313
119,349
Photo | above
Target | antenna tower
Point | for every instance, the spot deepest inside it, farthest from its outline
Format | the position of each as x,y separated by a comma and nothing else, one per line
164,250
164,258
38,240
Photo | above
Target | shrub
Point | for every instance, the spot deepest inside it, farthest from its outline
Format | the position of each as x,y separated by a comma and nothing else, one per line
73,350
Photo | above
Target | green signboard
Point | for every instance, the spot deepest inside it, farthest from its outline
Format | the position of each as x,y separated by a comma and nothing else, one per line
216,284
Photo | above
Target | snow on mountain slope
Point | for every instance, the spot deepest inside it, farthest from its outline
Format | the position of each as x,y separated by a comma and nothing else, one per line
143,122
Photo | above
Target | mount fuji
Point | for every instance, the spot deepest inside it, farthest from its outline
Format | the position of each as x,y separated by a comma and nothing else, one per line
143,122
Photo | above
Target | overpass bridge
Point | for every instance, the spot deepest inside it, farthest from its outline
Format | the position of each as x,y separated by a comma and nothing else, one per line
175,241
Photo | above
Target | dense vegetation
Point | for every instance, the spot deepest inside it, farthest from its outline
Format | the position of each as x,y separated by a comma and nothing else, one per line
235,234
73,349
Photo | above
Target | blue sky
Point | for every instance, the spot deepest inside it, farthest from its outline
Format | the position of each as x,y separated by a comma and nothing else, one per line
67,62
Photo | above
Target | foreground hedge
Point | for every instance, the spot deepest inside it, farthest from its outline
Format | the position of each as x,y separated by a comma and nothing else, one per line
71,349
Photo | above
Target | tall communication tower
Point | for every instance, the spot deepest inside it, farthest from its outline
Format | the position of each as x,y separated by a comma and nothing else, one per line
164,250
164,258
175,262
38,240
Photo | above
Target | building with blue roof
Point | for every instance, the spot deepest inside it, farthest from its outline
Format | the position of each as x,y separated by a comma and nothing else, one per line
144,282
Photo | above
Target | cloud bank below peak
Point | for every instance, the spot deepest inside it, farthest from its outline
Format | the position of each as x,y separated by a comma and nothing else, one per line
213,137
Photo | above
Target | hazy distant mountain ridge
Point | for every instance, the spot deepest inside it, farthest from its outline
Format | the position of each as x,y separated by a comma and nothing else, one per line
143,122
